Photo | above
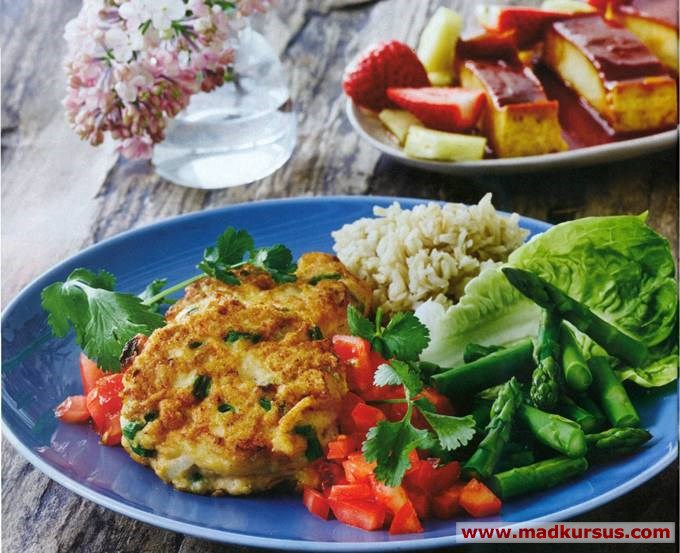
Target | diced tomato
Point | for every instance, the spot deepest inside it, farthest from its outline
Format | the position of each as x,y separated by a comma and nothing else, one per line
380,393
365,417
446,505
422,476
330,474
342,446
104,404
349,402
357,469
421,503
362,513
351,491
478,500
393,498
89,373
441,402
406,521
73,410
316,503
355,353
445,476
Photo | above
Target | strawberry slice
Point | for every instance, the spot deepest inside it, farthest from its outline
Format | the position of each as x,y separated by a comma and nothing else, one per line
388,64
445,109
528,23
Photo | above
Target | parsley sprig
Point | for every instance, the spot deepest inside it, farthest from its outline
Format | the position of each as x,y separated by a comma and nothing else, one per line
104,320
390,443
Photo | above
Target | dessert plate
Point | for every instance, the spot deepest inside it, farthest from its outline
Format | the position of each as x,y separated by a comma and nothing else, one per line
38,371
369,127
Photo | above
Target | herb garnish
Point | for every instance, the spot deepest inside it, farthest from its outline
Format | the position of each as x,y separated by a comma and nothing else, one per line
313,450
315,333
234,335
325,276
265,403
404,337
105,320
389,443
225,408
195,345
201,386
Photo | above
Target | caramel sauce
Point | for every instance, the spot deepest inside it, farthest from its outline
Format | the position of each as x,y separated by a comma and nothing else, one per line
616,53
508,84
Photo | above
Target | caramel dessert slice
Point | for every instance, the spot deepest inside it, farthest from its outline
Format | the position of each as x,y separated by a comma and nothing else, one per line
614,71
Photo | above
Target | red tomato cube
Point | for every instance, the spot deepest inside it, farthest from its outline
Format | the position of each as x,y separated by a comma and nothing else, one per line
316,503
478,500
73,410
364,514
446,505
406,521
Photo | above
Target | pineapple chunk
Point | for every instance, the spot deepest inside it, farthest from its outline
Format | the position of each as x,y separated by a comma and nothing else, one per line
440,78
569,6
398,122
437,44
443,146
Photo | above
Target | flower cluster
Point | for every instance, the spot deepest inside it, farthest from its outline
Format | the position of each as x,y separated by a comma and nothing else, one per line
131,64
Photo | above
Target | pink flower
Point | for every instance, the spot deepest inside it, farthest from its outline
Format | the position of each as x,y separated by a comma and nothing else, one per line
131,64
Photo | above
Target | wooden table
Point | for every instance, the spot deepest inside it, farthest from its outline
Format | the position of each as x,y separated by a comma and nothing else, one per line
60,195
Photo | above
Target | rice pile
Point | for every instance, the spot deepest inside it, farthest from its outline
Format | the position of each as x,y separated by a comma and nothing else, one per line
428,252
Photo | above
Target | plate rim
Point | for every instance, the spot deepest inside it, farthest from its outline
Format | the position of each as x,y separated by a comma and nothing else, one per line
590,155
249,540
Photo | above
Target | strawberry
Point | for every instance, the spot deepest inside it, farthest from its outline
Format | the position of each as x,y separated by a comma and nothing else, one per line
444,109
388,64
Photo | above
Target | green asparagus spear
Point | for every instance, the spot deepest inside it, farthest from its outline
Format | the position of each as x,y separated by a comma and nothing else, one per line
616,441
586,420
615,342
481,412
584,401
539,476
488,371
515,455
545,385
556,432
472,352
483,461
576,372
612,394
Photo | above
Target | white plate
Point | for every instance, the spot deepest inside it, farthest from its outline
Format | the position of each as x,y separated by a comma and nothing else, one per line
371,129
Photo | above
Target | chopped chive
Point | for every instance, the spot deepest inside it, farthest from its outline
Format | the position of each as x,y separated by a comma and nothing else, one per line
130,429
201,386
233,335
314,450
326,276
315,333
142,451
194,345
266,404
195,476
225,408
151,416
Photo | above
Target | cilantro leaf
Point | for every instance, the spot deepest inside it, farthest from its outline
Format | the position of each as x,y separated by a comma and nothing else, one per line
219,260
405,336
314,450
385,375
453,432
359,325
104,320
151,290
407,376
277,261
389,444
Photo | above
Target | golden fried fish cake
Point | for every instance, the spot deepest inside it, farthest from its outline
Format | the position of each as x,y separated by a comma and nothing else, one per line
233,393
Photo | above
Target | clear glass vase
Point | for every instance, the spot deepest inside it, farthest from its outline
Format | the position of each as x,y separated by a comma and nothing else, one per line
241,132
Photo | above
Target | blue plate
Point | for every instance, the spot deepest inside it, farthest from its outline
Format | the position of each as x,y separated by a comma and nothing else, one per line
38,371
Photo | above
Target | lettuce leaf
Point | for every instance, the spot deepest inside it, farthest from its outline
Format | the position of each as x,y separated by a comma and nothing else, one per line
618,266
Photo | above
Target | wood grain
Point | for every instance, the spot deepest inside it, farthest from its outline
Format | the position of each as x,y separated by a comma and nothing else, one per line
60,195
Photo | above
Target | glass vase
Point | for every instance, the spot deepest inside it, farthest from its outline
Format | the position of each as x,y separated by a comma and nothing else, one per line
238,133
